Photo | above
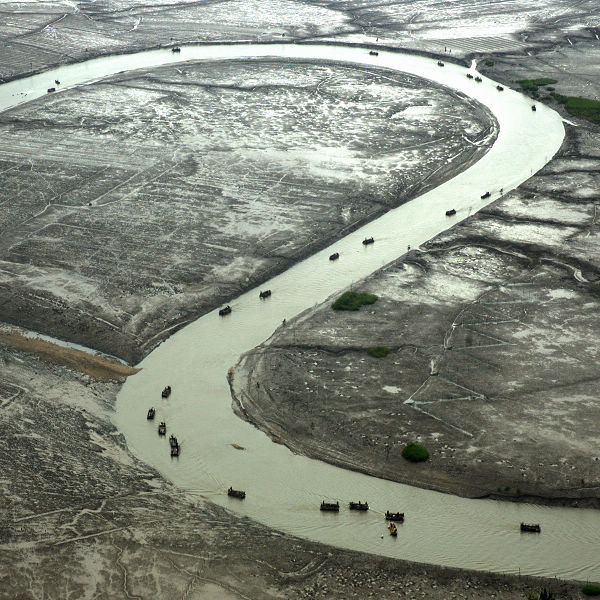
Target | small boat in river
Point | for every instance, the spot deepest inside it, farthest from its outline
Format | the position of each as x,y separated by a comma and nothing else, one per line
173,442
451,212
394,516
393,530
166,392
440,63
50,90
151,413
176,49
478,79
330,506
469,76
531,527
162,428
533,108
57,82
175,450
368,241
225,311
499,88
358,505
236,493
486,195
334,256
264,294
373,53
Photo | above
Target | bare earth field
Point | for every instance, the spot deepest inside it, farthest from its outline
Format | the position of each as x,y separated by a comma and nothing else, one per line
132,206
205,180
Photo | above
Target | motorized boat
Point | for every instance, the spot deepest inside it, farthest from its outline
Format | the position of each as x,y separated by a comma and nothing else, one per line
478,79
50,90
368,241
175,450
225,311
394,516
173,441
469,76
176,49
373,53
533,108
151,413
440,63
451,212
334,256
166,392
236,493
330,506
499,88
531,527
358,505
486,195
264,294
393,530
162,428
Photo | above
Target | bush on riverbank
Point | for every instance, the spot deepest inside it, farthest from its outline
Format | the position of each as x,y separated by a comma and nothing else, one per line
532,85
586,108
353,301
415,453
591,589
378,351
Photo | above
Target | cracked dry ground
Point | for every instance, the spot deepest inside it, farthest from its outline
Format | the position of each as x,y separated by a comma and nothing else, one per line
82,518
493,364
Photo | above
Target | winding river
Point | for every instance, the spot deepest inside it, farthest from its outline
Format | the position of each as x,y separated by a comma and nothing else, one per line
284,490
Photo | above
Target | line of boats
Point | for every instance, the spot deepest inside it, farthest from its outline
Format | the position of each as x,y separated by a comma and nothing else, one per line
162,426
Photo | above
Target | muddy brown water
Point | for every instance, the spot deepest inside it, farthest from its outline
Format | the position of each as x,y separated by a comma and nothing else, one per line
284,490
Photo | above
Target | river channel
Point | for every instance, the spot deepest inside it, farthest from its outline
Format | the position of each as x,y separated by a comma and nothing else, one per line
284,490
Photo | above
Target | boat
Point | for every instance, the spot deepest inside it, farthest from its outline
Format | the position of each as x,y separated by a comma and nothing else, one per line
225,311
499,88
486,195
57,82
393,530
358,505
50,90
151,413
478,79
531,527
451,212
162,428
397,516
469,76
334,256
440,63
265,294
166,392
533,108
368,241
176,49
373,53
236,493
173,442
330,506
175,450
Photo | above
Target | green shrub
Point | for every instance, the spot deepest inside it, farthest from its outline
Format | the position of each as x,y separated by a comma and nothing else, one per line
353,301
585,108
489,63
507,488
591,589
415,453
550,88
531,85
378,351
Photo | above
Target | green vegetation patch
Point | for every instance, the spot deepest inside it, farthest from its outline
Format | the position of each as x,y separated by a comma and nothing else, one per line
489,63
585,108
353,301
532,85
378,351
591,589
415,453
